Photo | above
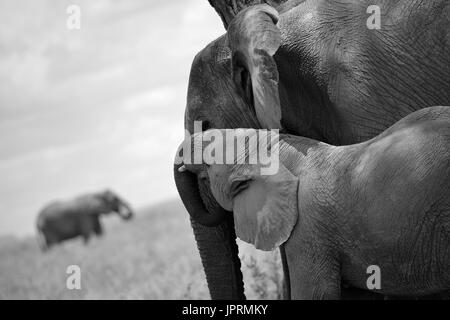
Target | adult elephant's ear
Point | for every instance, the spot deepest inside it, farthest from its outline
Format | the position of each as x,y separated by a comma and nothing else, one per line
254,38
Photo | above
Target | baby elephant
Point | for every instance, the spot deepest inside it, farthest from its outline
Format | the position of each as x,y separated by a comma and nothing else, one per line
62,220
340,210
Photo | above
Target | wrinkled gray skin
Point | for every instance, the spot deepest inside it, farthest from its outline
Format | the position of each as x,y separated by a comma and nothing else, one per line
318,73
339,210
63,220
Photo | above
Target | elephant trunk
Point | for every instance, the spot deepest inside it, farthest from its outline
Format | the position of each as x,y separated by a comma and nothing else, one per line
215,237
125,211
219,254
188,189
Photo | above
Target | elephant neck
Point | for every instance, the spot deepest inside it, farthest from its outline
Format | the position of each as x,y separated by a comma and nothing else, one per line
328,169
99,206
316,164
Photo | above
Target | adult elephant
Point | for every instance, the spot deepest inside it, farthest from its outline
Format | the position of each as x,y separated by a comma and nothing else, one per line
63,220
316,70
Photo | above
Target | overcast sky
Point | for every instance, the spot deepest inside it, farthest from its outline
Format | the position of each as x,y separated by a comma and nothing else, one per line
82,110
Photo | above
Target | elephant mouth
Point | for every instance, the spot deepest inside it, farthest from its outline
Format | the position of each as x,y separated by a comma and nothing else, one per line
125,213
238,186
128,216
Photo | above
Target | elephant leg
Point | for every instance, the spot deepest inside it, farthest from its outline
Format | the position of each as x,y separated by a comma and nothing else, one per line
42,241
98,230
86,238
87,227
314,272
45,245
50,239
286,277
48,244
219,254
351,293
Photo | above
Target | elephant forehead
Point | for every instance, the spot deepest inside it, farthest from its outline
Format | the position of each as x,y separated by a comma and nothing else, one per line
209,65
241,172
226,175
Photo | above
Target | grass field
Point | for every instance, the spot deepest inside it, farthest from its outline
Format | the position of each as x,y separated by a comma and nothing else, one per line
153,256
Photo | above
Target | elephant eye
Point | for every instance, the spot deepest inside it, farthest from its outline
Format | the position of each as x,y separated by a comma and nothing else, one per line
238,186
203,176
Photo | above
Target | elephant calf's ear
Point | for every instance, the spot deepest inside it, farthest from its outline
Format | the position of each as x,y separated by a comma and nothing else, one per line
267,211
253,39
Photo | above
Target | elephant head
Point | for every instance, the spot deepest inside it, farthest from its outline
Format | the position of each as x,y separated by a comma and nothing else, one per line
113,203
263,202
264,206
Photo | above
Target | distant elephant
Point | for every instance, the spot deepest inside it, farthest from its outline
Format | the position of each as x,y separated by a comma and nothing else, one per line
63,220
316,71
339,210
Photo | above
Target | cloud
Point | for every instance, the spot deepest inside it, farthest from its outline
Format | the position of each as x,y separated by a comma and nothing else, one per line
156,97
100,107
